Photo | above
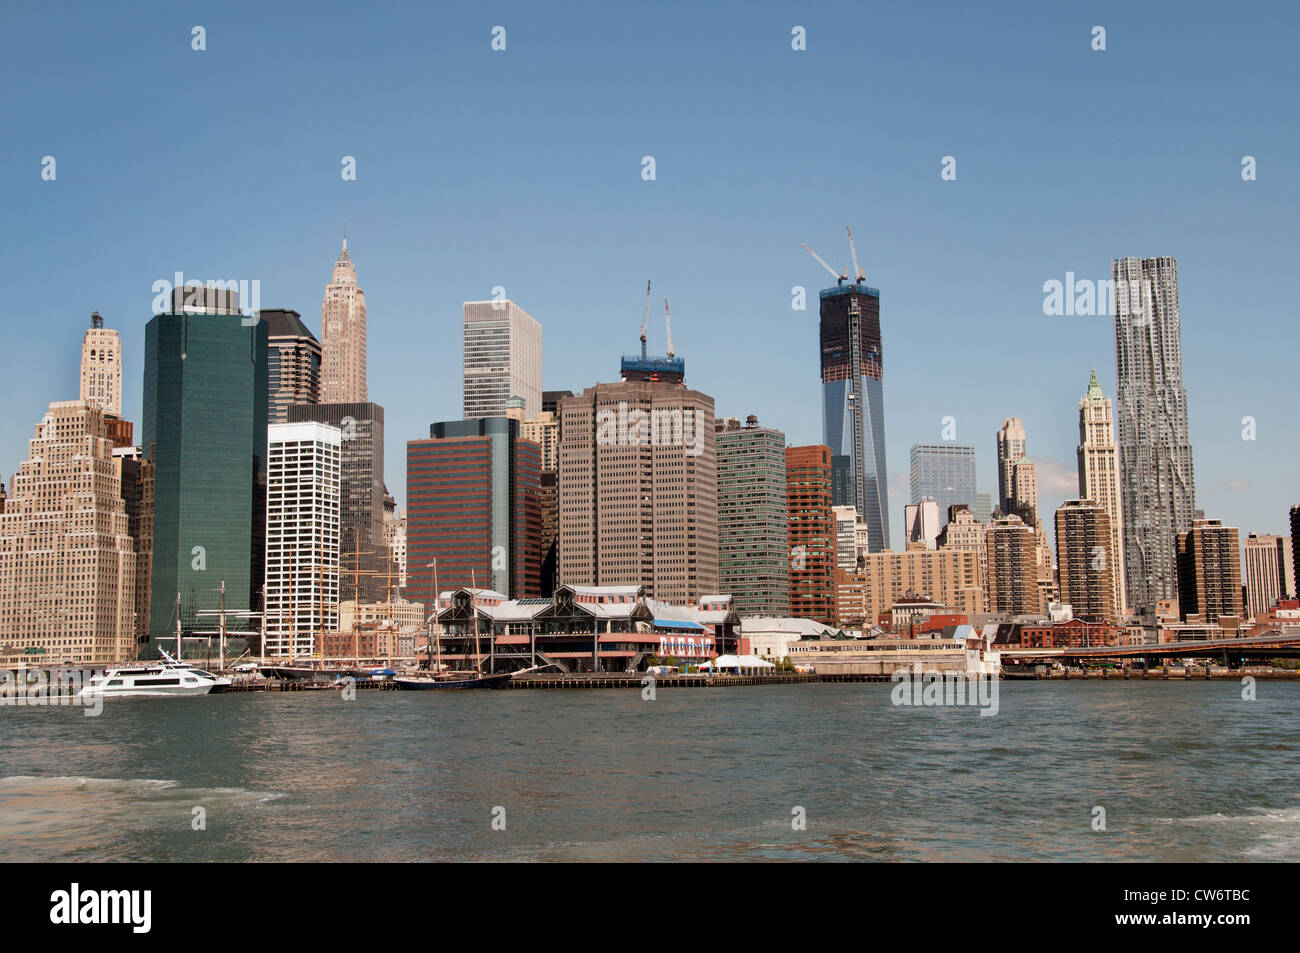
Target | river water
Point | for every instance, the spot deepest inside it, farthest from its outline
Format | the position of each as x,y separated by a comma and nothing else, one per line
1184,771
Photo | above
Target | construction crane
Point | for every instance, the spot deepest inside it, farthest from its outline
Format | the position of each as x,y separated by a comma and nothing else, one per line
645,317
861,276
668,320
840,278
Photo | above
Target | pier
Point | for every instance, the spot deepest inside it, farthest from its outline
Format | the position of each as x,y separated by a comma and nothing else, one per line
639,680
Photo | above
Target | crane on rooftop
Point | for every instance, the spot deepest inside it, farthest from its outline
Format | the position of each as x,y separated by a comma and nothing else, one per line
645,317
840,278
860,274
668,321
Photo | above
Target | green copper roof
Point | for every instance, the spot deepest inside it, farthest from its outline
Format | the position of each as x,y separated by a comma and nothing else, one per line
1094,389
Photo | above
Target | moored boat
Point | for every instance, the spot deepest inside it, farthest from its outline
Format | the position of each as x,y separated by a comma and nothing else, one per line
154,679
452,681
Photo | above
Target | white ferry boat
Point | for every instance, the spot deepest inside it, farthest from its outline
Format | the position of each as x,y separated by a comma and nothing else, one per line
147,679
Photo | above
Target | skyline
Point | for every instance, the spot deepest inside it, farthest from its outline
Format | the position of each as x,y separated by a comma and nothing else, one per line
569,228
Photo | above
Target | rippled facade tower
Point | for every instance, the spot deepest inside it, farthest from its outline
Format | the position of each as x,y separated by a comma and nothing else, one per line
1157,485
853,405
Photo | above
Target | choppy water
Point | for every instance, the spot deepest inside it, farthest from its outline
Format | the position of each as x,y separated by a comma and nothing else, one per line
1184,771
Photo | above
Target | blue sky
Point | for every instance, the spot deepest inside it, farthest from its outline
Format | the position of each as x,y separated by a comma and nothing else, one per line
522,168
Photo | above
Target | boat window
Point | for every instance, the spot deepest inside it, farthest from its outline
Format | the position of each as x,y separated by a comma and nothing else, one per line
143,682
114,683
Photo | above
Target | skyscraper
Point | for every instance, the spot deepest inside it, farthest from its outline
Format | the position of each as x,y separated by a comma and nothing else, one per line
944,472
846,537
363,547
502,358
204,428
67,560
638,490
1099,479
1157,484
1083,553
293,363
101,367
343,326
853,404
1024,488
134,472
302,537
753,540
472,505
1011,449
813,548
1012,567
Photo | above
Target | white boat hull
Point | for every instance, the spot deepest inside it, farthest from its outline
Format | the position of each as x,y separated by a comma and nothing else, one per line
156,680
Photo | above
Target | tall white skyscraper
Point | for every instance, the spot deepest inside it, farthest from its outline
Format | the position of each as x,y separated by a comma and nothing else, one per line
502,359
343,327
846,537
1157,485
101,367
1099,477
302,536
1011,448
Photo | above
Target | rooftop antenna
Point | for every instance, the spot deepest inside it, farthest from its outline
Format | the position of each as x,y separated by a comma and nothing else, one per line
668,320
840,278
861,276
645,317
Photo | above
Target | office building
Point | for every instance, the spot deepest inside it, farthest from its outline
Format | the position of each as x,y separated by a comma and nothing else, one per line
135,477
1012,446
293,364
101,367
638,490
1268,571
343,327
204,429
472,506
811,521
753,535
853,404
502,358
363,545
945,473
846,537
302,537
1099,478
67,560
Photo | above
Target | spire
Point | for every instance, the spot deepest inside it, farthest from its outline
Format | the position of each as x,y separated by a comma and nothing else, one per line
1094,388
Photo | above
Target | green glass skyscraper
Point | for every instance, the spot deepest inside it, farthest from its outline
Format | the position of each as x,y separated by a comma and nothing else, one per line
204,427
